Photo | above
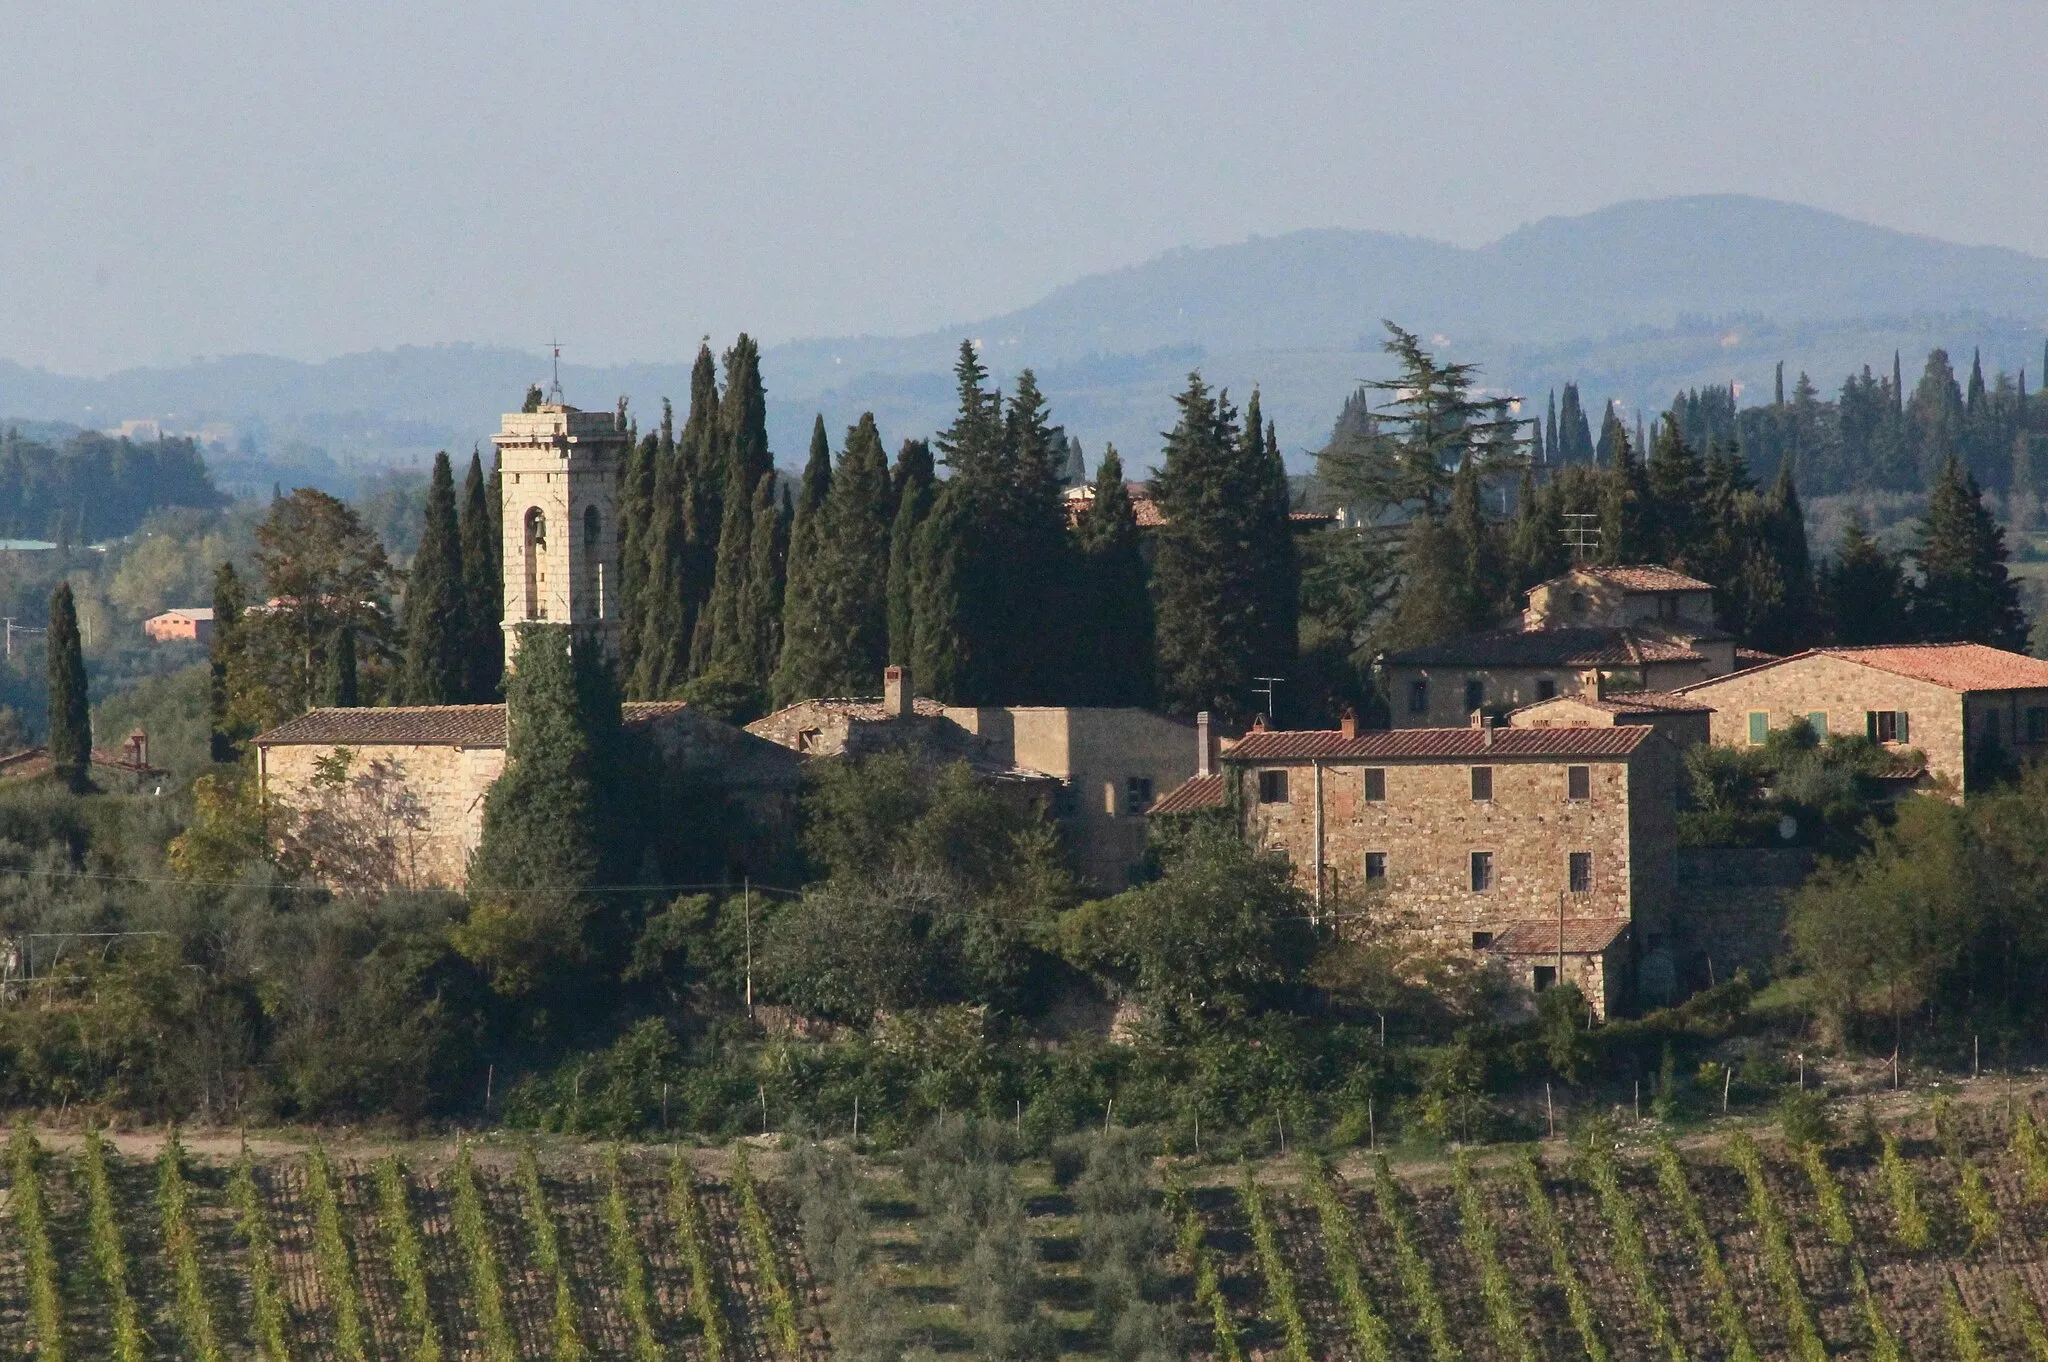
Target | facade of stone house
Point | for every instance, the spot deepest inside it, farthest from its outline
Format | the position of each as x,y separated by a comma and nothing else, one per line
1948,701
1685,723
1474,835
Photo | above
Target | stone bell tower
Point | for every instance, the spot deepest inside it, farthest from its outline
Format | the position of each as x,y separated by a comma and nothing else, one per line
559,493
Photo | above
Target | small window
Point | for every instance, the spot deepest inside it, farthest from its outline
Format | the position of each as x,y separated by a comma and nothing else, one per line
1272,787
1759,728
1578,602
1376,784
1817,720
1418,697
1543,977
1066,801
1482,871
1482,783
2037,725
1582,872
1475,695
1667,606
1546,689
1578,783
1375,865
1482,940
1885,725
1137,794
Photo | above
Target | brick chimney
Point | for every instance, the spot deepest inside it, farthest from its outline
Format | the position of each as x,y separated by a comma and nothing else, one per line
896,699
1258,723
1347,726
1593,682
1204,760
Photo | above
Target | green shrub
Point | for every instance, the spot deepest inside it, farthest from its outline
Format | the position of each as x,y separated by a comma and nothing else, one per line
2032,1327
109,1256
408,1262
629,1265
1779,1265
1279,1277
336,1264
31,1214
1724,1306
1340,1257
1418,1284
486,1280
705,1295
1543,1215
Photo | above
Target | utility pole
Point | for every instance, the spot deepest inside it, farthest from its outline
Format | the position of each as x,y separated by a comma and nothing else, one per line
747,916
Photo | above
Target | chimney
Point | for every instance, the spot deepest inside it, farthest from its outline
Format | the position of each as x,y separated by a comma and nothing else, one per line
1485,733
1204,761
896,701
1258,723
1593,682
138,746
1347,726
1478,719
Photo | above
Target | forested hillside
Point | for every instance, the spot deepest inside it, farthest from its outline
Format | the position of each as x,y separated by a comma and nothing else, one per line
92,486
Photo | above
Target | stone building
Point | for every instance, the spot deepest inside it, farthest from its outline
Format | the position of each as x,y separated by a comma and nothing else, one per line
1683,721
1954,702
1550,851
1096,770
193,624
559,495
1640,627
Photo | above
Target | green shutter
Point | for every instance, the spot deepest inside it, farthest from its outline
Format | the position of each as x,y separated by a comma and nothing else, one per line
1904,735
1759,727
1817,720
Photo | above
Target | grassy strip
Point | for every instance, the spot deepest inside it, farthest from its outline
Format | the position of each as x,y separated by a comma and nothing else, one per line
486,1279
1963,1334
336,1264
1631,1250
1578,1304
109,1257
1884,1344
272,1320
408,1262
1340,1256
32,1218
1417,1283
181,1246
547,1246
1726,1309
782,1330
1902,1189
1279,1277
1475,1227
1801,1327
705,1296
1834,1211
2032,1150
1208,1289
628,1263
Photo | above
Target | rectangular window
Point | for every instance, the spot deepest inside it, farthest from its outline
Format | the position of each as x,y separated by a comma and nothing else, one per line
1066,802
1475,695
1375,865
1817,720
1543,977
1418,697
1885,725
1482,871
1375,784
2037,724
1991,724
1137,794
1546,689
1482,783
1582,872
1578,783
1759,727
1482,941
1272,787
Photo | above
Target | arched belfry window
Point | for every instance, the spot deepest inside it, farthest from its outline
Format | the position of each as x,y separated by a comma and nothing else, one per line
536,547
593,561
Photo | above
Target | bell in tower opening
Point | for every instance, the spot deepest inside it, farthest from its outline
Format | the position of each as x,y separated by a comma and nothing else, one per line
559,484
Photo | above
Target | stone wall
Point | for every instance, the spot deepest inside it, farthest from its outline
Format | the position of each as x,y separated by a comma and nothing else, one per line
1732,909
448,781
1843,692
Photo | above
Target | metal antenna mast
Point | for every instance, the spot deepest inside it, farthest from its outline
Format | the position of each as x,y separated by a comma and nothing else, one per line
1267,691
555,388
1581,534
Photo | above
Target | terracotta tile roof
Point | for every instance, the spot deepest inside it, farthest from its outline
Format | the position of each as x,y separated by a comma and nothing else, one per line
860,709
1438,743
1145,509
1628,702
1582,936
1192,795
1570,647
1956,666
423,725
1647,577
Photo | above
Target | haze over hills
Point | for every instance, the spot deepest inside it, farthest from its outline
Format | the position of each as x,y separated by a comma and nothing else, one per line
1633,301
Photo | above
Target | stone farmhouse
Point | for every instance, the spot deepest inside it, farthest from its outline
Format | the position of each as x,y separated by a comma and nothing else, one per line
1953,702
1096,770
1549,851
192,624
1683,721
1640,627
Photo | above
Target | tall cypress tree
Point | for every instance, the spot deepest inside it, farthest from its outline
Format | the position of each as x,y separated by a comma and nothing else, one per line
437,632
1677,479
483,593
661,643
911,481
699,477
1574,435
722,643
800,673
767,578
1275,563
1114,648
224,658
1965,594
853,597
1624,497
636,514
340,690
70,707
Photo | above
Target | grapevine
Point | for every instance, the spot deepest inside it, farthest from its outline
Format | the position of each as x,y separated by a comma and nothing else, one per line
337,1268
1884,1345
1279,1278
1800,1325
1416,1282
273,1319
696,1240
408,1262
486,1282
45,1301
1475,1227
548,1247
108,1255
174,1202
1727,1311
1834,1212
627,1261
2031,1324
1577,1303
1631,1250
1340,1253
1963,1334
1208,1290
761,1244
2032,1148
1909,1222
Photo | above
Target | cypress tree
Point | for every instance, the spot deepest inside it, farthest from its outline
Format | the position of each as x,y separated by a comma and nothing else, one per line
700,479
1676,485
1269,545
224,659
70,707
743,414
437,631
636,514
766,579
1028,632
941,649
853,597
1114,648
1624,493
661,643
1863,593
1964,593
1536,549
800,673
722,643
1574,435
911,482
340,690
482,592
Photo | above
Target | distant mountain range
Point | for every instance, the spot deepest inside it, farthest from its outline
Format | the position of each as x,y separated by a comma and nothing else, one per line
1633,302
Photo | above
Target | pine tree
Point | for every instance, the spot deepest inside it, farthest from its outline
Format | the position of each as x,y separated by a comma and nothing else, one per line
1777,591
911,483
853,598
482,590
340,690
437,630
1863,593
1677,480
70,707
800,673
1624,492
1114,645
224,660
1964,593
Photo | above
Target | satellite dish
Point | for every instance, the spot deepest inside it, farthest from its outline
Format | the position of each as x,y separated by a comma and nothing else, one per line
1788,828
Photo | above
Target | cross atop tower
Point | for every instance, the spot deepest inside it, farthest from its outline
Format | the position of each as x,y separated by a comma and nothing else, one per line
555,387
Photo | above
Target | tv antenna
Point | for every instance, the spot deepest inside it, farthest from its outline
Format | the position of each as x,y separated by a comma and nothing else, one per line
555,388
1267,691
1581,534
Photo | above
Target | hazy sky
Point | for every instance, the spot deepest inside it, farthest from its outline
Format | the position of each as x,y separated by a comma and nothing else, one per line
179,179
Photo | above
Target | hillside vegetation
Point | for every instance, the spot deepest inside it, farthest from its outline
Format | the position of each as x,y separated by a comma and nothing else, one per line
1919,1239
